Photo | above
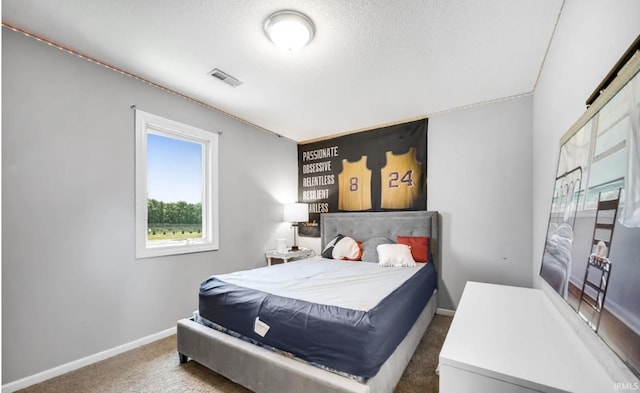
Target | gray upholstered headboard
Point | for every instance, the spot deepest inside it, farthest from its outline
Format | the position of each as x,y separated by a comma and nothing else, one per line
367,225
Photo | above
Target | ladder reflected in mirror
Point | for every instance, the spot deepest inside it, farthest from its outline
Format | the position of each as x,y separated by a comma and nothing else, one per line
598,270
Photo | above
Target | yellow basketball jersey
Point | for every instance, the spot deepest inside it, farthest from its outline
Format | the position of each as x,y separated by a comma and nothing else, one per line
354,186
401,180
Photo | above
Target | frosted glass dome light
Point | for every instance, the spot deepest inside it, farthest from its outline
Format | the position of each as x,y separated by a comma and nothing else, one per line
289,30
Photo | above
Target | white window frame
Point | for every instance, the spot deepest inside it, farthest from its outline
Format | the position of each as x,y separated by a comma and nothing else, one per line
585,208
149,123
593,159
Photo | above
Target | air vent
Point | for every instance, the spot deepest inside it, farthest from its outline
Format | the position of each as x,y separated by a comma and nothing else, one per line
226,78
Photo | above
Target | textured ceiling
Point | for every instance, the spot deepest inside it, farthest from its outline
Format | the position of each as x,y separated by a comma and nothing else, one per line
371,62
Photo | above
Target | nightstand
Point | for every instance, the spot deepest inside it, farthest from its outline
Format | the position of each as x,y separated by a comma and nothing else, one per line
301,253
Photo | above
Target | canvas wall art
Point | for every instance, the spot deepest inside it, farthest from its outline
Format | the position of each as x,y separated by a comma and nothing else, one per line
378,170
592,250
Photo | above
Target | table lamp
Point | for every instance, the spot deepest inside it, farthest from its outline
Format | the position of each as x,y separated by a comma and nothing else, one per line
295,213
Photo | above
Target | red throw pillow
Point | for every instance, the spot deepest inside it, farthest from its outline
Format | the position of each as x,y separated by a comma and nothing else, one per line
419,246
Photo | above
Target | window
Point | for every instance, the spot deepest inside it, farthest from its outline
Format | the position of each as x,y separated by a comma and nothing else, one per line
609,157
600,149
176,187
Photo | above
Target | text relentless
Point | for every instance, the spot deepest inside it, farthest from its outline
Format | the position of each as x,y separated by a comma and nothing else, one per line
314,181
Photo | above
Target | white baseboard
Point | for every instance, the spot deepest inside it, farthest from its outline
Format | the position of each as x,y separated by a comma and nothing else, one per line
76,364
446,312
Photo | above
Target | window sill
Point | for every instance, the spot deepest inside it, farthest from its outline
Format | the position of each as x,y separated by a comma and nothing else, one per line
174,249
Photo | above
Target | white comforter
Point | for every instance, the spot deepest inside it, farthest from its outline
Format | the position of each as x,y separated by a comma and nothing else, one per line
556,263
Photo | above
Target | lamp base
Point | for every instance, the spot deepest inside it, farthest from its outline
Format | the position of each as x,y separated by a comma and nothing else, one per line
295,248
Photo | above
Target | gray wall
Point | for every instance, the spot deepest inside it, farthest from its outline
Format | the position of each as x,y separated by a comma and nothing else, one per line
479,178
71,286
590,38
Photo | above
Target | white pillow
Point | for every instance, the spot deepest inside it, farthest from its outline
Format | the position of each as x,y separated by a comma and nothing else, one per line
396,255
343,247
347,248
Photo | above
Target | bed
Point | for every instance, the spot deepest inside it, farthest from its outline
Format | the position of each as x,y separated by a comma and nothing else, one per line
557,260
263,370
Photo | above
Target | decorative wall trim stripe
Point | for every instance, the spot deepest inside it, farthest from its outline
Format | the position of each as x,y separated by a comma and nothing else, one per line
411,119
138,78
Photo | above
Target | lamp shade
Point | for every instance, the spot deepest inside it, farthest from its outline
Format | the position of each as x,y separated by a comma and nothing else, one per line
289,30
296,212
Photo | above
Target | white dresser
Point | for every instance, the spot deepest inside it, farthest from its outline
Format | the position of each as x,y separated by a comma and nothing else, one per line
510,339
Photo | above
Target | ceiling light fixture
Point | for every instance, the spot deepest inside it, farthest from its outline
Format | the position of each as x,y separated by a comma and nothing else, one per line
289,30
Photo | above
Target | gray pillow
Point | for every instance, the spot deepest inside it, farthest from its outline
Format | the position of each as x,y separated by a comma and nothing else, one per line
369,253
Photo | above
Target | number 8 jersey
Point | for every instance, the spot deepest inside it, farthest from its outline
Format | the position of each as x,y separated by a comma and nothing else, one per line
401,180
354,186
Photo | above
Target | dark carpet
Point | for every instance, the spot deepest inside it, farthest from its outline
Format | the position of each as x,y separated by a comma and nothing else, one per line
155,368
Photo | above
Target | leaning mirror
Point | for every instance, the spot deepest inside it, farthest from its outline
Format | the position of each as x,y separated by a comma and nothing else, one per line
592,249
